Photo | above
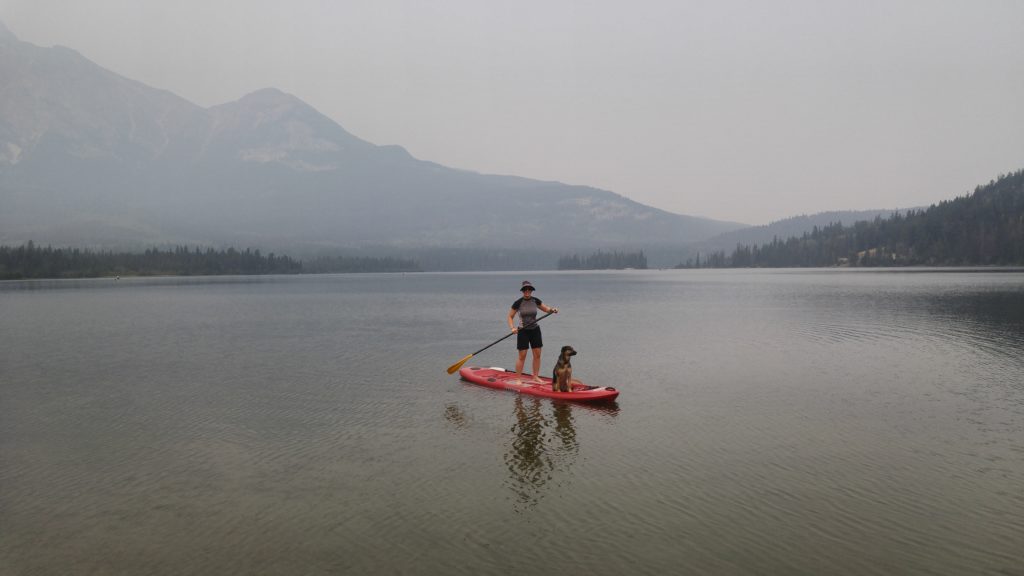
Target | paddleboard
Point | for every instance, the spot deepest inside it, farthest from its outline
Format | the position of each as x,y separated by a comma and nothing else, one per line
503,379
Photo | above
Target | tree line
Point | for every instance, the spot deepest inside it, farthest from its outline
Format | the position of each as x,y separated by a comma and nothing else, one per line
604,261
30,261
982,228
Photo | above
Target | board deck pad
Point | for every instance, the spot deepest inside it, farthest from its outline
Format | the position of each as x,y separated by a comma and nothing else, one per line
502,379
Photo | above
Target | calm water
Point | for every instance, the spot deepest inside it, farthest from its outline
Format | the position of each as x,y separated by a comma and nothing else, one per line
770,422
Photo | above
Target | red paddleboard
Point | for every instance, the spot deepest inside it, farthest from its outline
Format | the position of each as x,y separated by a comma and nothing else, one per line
506,380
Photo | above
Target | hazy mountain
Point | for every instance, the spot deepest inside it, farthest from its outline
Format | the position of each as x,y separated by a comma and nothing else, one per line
782,229
88,157
796,226
985,228
663,256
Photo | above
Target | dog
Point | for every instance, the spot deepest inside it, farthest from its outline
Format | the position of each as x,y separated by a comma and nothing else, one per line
561,378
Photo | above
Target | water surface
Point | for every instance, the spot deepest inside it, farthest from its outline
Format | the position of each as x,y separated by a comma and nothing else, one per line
770,422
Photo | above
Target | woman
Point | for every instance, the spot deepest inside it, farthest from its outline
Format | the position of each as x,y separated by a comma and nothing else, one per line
528,333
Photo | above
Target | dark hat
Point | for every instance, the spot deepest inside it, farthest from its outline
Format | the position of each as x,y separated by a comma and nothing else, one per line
527,286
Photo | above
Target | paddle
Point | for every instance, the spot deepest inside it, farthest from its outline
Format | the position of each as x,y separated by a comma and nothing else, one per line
457,365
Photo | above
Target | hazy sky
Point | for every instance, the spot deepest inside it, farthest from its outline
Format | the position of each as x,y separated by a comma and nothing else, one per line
745,110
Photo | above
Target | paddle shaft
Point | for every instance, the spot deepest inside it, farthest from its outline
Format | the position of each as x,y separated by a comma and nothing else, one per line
457,365
511,333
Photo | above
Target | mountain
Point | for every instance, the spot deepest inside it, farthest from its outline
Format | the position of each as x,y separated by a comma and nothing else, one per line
91,158
981,229
793,226
663,257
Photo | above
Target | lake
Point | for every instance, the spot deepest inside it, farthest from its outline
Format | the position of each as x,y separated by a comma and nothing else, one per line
770,422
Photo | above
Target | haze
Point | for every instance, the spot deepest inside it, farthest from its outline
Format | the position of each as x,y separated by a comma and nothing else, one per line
736,110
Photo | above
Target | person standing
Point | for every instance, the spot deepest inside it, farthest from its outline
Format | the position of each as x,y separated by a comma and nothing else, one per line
528,334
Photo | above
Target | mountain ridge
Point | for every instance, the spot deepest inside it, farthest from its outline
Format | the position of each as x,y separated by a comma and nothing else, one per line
89,157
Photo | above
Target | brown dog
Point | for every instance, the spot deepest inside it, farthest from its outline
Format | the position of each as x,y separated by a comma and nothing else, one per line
561,379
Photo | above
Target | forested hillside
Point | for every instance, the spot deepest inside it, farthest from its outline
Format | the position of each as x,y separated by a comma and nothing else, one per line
982,228
604,261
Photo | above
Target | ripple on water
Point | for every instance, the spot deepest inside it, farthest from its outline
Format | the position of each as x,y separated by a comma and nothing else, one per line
769,423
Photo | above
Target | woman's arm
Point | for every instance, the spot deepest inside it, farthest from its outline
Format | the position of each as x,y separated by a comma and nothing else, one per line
511,320
546,308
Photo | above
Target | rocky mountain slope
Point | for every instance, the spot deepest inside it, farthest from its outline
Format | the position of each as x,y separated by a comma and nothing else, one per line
90,158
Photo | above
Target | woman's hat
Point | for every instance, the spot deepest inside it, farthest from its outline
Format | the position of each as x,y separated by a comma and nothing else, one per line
527,286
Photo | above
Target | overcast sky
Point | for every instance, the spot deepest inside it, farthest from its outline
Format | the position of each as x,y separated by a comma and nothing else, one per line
743,110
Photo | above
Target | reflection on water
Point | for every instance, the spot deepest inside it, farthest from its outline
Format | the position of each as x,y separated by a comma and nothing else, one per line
543,445
563,424
773,422
456,416
991,316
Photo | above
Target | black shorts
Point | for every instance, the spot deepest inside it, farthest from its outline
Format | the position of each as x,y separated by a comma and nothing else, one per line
529,339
